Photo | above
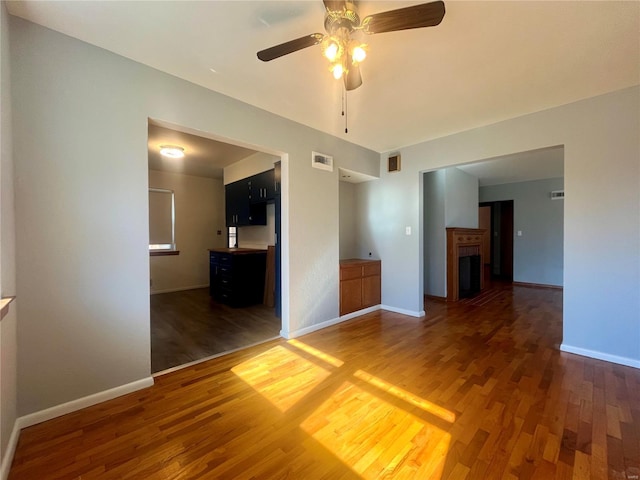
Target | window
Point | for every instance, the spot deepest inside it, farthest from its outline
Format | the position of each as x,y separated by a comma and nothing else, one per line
161,220
232,241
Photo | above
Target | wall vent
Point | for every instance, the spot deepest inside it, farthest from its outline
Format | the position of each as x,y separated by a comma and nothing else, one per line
557,195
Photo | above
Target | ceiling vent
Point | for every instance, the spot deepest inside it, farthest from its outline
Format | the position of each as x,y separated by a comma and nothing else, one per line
557,195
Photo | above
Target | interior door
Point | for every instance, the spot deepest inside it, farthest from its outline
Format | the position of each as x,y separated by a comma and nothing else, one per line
484,222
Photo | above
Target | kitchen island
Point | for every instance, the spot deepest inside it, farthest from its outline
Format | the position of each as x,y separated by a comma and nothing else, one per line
236,275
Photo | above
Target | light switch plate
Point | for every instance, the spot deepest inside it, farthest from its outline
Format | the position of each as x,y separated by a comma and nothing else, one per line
407,230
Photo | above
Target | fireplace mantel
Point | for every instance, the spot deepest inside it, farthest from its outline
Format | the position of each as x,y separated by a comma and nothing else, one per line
462,242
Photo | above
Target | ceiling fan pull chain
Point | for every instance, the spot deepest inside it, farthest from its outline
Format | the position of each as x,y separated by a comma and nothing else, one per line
346,111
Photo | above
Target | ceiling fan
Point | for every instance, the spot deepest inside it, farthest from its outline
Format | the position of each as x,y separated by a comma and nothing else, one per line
342,23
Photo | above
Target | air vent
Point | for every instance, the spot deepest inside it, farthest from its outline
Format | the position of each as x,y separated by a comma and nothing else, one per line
557,195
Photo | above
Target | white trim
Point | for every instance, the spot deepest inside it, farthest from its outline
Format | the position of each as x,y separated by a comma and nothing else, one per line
80,403
7,459
328,323
180,289
411,313
63,409
629,362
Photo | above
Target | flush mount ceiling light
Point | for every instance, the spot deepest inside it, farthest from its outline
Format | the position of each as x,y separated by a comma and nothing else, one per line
171,151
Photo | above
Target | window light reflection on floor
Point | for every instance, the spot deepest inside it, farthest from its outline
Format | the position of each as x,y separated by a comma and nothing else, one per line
408,397
281,376
374,434
375,438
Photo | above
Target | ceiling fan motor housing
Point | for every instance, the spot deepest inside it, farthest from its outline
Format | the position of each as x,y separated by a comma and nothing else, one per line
347,18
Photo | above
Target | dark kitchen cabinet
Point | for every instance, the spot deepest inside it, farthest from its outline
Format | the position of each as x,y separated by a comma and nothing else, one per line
237,276
246,200
237,206
262,187
240,211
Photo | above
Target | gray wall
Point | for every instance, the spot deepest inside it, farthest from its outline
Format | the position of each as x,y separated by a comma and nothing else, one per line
199,215
450,200
8,340
538,253
461,204
435,259
80,147
601,225
348,220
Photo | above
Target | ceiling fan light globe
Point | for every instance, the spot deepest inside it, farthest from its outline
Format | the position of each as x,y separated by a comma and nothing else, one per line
359,54
337,71
331,51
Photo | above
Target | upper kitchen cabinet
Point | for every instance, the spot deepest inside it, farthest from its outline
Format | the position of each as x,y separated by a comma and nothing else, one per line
262,187
239,209
246,200
236,196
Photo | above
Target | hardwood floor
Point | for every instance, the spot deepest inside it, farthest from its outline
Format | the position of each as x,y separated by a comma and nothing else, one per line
188,326
475,392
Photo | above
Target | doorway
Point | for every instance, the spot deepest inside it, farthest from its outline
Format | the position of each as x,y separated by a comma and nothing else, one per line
497,219
188,323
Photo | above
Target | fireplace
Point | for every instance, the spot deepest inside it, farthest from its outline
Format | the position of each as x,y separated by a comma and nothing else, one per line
464,262
468,276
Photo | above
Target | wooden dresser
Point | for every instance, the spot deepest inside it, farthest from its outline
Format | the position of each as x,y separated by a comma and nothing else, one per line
360,282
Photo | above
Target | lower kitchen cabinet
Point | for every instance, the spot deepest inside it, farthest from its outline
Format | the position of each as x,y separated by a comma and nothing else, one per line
360,284
236,276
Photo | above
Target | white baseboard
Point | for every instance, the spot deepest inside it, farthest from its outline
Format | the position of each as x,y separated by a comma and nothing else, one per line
411,313
180,289
63,409
328,323
7,459
80,403
629,362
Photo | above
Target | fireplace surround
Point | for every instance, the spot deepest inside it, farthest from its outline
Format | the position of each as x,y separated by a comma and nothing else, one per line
463,242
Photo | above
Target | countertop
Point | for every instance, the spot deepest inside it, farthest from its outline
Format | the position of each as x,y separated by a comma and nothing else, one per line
238,251
355,261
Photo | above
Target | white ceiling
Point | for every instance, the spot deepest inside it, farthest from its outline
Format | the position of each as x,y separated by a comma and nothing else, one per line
203,157
487,61
520,167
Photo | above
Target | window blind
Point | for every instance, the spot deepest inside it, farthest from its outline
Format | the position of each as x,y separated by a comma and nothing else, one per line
161,217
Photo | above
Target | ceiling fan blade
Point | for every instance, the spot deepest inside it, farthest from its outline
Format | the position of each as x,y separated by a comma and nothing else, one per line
417,16
353,78
290,47
334,5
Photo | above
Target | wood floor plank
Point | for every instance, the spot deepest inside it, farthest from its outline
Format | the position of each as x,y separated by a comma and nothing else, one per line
475,390
189,325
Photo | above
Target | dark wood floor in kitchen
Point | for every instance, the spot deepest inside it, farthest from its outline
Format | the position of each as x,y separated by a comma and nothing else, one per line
189,325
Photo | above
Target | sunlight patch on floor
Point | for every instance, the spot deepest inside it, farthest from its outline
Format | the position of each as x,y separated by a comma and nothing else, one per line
364,421
408,397
281,376
376,438
316,353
